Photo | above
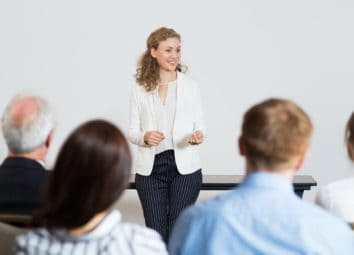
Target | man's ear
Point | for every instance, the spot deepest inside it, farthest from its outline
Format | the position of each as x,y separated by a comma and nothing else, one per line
48,142
300,161
241,146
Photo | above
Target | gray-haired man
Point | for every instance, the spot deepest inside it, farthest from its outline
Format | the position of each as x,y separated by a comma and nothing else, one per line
27,125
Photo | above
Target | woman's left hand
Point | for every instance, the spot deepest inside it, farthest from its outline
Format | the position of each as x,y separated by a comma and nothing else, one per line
196,138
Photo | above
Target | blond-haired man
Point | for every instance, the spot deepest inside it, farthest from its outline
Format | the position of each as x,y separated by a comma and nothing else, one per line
264,215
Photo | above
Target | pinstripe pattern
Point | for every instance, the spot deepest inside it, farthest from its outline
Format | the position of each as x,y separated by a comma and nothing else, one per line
165,193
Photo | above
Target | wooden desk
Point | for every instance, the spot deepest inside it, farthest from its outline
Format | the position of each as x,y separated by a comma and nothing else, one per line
226,182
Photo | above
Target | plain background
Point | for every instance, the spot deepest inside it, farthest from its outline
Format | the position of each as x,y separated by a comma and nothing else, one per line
82,55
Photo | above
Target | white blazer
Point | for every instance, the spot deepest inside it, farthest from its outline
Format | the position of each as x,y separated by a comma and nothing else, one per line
188,118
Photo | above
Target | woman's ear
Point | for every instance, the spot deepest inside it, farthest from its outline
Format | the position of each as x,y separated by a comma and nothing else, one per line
153,52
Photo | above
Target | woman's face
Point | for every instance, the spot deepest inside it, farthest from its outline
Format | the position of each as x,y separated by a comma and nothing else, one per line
167,54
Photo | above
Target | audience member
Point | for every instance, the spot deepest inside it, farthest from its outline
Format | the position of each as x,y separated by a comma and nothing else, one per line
27,126
90,174
338,197
264,215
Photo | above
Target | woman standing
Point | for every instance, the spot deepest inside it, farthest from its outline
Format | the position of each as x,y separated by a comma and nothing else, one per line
166,123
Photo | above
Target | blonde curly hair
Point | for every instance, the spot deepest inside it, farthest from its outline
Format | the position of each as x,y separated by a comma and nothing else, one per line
148,71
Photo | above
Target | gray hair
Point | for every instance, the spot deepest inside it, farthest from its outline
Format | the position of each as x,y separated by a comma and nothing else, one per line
25,136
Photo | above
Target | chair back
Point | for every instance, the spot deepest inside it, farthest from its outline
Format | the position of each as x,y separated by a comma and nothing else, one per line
8,234
17,220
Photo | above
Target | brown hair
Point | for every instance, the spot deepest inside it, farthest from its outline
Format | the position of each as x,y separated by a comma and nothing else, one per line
275,131
148,71
349,136
89,175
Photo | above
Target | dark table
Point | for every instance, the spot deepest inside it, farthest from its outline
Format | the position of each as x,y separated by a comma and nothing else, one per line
226,182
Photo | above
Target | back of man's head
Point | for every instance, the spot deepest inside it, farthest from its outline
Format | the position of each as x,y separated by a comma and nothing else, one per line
275,133
26,123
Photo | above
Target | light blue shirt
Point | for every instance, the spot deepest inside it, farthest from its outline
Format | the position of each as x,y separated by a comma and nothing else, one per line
262,216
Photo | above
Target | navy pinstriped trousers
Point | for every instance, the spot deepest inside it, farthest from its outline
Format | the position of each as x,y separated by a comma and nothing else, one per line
165,192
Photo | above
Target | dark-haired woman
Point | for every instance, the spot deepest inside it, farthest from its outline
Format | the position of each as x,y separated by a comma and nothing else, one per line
90,174
166,123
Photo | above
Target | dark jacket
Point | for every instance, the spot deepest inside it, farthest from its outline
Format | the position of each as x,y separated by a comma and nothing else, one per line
21,184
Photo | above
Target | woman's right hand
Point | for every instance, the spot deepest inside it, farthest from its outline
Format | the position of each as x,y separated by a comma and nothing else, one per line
153,138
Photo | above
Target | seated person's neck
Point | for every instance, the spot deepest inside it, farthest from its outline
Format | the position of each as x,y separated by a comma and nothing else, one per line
37,154
89,226
287,170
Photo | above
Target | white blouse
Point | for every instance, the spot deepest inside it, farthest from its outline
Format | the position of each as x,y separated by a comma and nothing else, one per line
165,116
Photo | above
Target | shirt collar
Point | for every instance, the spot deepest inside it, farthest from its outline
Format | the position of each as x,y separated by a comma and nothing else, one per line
42,163
102,229
263,179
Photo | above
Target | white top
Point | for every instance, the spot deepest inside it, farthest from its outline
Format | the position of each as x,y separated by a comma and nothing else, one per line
165,116
338,198
111,236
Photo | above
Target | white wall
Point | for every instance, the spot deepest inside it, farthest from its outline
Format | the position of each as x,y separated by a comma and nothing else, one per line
82,55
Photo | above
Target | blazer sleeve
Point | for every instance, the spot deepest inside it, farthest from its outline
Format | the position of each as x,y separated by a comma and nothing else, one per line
135,134
199,123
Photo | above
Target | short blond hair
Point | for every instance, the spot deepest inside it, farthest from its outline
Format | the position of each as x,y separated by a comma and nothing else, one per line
274,132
